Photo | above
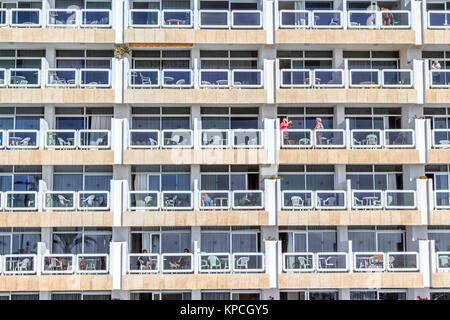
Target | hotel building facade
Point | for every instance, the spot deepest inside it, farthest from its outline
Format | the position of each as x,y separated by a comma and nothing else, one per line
177,145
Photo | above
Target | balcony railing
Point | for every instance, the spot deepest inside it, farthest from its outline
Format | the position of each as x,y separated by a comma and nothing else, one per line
214,19
247,199
438,19
369,261
93,200
441,138
306,138
443,261
24,17
323,19
18,264
94,139
143,200
177,200
22,139
78,78
59,200
143,263
177,18
361,199
247,138
358,78
79,18
440,78
215,138
23,78
214,262
385,19
363,138
92,263
248,262
442,199
214,200
248,19
177,138
214,78
20,200
294,262
177,262
58,264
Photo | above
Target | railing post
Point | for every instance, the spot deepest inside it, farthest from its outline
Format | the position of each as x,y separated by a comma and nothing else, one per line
271,261
115,263
418,80
270,201
422,200
424,262
268,20
41,250
420,139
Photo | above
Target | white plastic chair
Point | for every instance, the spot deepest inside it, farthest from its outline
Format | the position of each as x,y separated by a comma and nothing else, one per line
242,262
297,201
89,201
214,262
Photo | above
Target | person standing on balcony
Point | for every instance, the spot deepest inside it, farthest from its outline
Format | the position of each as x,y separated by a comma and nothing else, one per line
319,126
388,17
436,76
283,126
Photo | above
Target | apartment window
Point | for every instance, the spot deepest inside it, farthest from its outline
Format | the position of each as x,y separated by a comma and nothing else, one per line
12,58
375,177
309,295
441,239
19,240
305,59
161,59
373,5
440,174
230,117
373,118
81,296
82,118
20,178
27,118
305,5
161,178
323,295
216,295
24,296
83,4
305,117
440,117
306,177
160,5
233,177
315,241
79,59
245,296
372,59
230,5
161,240
224,239
80,178
81,240
228,60
377,240
439,295
377,295
161,118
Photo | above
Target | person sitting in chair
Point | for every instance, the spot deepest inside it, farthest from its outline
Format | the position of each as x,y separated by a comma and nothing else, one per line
181,262
144,260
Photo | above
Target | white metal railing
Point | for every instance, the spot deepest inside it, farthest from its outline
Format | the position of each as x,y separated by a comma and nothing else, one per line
402,261
397,78
214,78
177,200
214,18
177,262
63,18
296,78
21,200
176,18
369,261
248,262
145,138
59,200
143,263
298,262
316,19
215,138
438,19
441,199
366,138
400,199
332,262
247,138
443,261
144,78
24,78
177,78
62,77
58,263
367,199
214,262
297,199
143,200
25,17
440,78
3,17
77,78
214,199
95,78
93,200
22,139
3,77
18,264
440,138
330,199
247,199
249,19
144,18
399,138
98,18
2,139
60,139
177,138
92,263
247,78
364,78
94,139
384,19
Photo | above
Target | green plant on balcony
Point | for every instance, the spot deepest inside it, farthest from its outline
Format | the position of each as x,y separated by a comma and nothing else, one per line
121,50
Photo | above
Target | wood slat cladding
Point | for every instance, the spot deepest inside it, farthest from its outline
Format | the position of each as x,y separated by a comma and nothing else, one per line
195,281
345,36
357,95
350,218
382,280
207,36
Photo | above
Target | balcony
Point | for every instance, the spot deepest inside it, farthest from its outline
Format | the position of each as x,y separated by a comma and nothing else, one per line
436,25
440,207
353,207
188,26
57,25
346,86
344,27
200,207
440,270
56,85
205,86
440,146
435,82
191,271
30,147
55,208
186,146
338,146
350,270
49,272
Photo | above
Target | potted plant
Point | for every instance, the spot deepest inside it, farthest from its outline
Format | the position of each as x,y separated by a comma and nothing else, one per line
121,50
270,239
423,177
272,178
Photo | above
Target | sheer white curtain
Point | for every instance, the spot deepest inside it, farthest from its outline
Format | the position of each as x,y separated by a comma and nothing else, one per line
140,182
392,181
101,122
